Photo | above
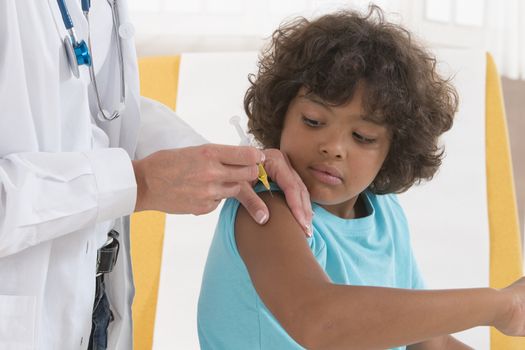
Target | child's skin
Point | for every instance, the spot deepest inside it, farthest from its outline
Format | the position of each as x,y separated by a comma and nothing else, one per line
338,153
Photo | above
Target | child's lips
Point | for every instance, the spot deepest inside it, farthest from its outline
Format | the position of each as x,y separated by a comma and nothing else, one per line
327,174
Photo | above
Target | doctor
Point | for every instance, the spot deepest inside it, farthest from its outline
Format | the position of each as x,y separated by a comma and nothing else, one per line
77,156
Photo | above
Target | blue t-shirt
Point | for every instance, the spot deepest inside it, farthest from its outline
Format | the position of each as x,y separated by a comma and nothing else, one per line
374,250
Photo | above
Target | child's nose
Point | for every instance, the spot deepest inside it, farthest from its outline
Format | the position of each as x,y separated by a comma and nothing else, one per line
333,146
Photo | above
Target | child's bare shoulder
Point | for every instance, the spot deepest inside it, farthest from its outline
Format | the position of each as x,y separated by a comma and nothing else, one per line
280,213
281,226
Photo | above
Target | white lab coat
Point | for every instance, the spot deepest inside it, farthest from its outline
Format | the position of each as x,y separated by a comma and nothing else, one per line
66,178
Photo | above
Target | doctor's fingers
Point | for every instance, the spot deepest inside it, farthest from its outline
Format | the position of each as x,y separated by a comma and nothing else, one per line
206,199
253,204
281,171
229,189
216,174
235,155
239,174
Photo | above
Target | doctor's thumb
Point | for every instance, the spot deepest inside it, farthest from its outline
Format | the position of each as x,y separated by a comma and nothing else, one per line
253,204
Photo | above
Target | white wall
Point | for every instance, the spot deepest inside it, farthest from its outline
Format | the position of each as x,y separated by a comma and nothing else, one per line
168,27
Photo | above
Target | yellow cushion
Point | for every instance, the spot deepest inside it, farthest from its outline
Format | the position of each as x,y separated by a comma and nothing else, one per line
158,80
505,251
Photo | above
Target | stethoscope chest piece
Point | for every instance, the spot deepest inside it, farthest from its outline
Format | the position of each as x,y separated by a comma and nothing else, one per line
76,55
71,58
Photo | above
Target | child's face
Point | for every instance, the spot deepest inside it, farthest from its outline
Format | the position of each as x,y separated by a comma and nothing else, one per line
335,150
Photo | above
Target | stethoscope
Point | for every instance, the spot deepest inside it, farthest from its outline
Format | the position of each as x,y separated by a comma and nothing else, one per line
79,54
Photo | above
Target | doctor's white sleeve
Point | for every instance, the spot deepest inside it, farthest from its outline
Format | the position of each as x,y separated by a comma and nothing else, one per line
161,128
46,195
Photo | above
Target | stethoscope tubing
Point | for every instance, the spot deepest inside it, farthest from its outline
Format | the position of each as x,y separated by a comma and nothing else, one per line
64,12
102,113
79,53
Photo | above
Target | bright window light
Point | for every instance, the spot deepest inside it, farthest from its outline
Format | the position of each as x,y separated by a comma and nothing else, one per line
470,12
288,7
225,6
193,6
144,6
438,10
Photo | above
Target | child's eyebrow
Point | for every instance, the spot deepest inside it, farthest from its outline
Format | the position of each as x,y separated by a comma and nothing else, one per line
371,119
317,100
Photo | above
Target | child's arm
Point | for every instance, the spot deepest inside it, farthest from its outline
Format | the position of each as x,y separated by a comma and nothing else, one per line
447,342
320,314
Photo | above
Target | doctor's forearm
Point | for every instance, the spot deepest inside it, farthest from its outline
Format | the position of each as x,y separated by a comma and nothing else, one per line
71,190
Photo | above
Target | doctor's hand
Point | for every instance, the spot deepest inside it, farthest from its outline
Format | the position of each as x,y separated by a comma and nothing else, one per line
280,170
194,180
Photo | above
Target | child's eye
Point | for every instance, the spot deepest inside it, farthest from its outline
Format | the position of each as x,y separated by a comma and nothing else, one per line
311,122
362,139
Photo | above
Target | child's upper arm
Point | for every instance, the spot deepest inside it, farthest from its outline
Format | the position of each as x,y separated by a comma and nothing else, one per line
280,263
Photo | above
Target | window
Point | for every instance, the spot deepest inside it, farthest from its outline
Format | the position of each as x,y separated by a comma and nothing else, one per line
452,23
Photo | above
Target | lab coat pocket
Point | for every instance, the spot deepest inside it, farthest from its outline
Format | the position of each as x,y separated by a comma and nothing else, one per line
17,322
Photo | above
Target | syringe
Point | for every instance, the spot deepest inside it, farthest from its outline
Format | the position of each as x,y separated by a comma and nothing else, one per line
245,141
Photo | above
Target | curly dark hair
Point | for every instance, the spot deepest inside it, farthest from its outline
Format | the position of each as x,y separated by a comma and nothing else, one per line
329,56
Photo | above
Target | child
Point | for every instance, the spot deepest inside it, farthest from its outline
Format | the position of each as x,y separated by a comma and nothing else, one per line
358,108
